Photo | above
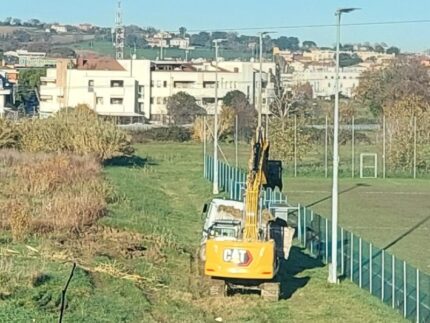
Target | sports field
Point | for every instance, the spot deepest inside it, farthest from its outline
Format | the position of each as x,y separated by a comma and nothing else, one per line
390,213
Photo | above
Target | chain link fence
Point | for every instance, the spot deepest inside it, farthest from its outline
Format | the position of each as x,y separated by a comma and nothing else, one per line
392,280
381,148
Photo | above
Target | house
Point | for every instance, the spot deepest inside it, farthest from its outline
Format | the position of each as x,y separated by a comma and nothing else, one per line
182,43
59,28
24,58
85,27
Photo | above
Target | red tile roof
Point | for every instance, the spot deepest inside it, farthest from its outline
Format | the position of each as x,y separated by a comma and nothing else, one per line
97,63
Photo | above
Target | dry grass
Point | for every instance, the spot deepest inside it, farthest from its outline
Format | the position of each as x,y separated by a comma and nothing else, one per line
49,192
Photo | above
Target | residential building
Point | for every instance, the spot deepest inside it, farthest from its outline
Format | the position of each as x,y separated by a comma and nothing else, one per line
322,79
24,58
182,43
59,28
101,83
6,91
86,27
141,88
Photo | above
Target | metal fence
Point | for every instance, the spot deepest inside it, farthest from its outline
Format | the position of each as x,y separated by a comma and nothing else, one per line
401,147
396,283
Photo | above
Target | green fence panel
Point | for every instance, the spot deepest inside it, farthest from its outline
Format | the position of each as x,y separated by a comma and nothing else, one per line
375,274
424,308
398,284
411,293
355,259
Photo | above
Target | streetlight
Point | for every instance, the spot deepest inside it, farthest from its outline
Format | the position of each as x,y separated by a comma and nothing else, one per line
332,278
215,182
260,85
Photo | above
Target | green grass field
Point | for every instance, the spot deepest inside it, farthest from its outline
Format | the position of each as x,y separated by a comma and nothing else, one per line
106,48
159,200
388,212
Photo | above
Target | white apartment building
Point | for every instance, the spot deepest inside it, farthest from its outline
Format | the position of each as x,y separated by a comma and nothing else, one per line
322,80
141,88
181,43
59,28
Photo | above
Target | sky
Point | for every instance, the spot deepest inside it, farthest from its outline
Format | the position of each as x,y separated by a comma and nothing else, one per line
212,15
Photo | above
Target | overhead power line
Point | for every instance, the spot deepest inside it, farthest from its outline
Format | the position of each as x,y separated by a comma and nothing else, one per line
374,23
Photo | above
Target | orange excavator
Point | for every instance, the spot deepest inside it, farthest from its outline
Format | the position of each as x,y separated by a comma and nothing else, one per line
242,241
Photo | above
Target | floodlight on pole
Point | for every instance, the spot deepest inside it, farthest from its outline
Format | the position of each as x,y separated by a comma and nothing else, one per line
332,278
260,84
215,181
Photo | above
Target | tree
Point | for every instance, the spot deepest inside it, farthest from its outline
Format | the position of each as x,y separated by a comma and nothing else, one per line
201,39
182,108
382,88
346,60
34,22
21,36
291,102
291,43
400,121
182,31
8,21
346,47
16,22
393,50
29,79
307,44
379,49
244,111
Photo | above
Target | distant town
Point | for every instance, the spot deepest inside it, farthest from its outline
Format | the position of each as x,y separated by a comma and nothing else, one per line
129,72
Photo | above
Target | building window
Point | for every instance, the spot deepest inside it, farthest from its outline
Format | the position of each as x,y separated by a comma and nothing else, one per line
183,84
209,85
91,86
152,83
159,83
46,98
208,100
116,83
116,101
164,83
99,100
159,100
141,91
151,100
141,107
164,100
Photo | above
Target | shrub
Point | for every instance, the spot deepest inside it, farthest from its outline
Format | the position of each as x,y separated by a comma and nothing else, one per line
50,192
173,133
78,131
8,134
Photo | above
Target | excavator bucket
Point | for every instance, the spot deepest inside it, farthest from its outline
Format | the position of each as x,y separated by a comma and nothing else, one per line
273,174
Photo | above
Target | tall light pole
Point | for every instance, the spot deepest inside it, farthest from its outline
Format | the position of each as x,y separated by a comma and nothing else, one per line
215,182
260,84
332,278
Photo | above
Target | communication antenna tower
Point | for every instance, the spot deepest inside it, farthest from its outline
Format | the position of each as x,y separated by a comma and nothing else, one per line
119,32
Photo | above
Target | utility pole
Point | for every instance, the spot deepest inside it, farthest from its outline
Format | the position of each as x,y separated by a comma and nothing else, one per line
332,278
260,84
119,33
215,182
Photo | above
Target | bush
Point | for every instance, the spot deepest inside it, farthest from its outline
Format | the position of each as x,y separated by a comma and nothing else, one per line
78,131
50,192
173,133
8,134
